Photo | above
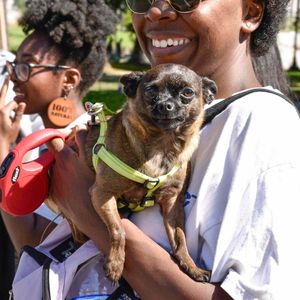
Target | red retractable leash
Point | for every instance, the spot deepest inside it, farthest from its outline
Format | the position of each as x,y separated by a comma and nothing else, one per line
24,185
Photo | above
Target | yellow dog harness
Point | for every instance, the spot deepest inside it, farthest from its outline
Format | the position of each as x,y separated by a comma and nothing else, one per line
101,153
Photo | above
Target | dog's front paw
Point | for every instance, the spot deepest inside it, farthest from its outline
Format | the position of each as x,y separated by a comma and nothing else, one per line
200,275
193,271
113,269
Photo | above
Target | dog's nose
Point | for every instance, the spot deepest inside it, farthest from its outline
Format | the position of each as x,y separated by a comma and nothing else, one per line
166,107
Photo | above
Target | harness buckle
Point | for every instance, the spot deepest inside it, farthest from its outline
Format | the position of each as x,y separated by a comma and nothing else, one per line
93,110
155,182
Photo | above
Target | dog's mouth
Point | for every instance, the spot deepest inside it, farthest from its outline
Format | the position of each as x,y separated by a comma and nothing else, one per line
165,122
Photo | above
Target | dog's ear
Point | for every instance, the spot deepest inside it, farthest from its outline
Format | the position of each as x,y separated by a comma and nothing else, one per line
130,83
209,90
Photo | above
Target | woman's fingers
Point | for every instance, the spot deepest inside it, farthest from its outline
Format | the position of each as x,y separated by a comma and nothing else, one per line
3,91
80,139
19,111
10,117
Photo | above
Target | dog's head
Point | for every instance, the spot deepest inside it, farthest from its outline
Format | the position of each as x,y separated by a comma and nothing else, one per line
168,95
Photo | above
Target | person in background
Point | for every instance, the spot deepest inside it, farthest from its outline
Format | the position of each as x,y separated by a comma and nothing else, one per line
242,201
62,56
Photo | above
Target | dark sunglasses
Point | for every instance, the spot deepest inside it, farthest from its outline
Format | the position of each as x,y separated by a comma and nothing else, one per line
182,6
22,71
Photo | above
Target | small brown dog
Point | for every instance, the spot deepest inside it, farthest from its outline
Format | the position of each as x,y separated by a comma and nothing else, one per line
157,129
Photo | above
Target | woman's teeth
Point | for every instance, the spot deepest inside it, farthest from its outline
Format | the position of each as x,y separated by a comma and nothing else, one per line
169,43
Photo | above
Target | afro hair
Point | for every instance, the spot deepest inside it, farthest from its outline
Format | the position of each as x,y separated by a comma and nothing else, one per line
78,28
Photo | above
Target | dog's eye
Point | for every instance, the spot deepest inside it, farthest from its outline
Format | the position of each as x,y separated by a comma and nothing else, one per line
151,93
187,94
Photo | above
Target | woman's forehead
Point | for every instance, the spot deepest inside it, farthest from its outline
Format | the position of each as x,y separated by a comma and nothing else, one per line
39,47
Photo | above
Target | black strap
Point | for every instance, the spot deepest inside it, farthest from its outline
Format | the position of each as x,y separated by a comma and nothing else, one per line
38,256
45,280
42,260
216,109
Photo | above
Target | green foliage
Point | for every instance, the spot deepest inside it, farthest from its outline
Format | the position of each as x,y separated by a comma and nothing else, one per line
129,66
15,37
20,4
113,99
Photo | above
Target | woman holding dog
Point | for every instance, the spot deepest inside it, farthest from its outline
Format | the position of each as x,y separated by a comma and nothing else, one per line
241,204
60,59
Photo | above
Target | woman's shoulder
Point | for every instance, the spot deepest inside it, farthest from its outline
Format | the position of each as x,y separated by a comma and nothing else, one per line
264,106
265,101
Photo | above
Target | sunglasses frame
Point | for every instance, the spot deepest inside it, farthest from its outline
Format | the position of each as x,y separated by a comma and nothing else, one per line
11,68
170,3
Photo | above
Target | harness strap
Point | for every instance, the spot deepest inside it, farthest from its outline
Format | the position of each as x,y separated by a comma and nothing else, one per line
216,109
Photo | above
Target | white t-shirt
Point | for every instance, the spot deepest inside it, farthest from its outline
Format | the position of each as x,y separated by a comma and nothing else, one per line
242,203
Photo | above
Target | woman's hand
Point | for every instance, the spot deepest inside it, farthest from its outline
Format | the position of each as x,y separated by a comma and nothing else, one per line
71,177
70,182
10,117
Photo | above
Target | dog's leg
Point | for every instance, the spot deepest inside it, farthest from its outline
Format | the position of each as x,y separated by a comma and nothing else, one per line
173,215
106,207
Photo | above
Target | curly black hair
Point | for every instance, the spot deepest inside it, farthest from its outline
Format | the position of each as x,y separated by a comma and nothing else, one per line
78,28
265,36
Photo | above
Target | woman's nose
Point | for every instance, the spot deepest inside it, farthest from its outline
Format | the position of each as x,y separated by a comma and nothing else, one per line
161,10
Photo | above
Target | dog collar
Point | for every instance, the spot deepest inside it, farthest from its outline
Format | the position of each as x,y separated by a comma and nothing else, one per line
100,153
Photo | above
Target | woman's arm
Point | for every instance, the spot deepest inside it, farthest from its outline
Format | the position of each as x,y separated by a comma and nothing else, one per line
26,230
149,269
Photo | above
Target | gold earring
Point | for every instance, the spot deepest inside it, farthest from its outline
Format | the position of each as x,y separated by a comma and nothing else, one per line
62,110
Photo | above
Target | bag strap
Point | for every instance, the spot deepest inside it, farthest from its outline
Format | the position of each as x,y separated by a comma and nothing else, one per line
42,260
216,109
38,256
45,280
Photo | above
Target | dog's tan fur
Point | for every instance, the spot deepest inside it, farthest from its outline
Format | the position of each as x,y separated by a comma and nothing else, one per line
135,138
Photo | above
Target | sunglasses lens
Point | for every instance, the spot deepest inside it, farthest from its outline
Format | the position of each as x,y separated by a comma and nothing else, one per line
185,5
22,72
139,6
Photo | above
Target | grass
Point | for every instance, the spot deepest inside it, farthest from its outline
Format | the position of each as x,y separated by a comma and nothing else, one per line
113,100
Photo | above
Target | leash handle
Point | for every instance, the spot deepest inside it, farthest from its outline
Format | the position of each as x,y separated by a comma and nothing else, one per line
24,185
